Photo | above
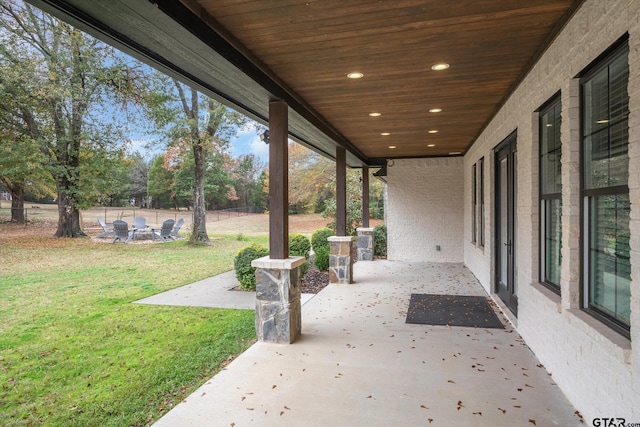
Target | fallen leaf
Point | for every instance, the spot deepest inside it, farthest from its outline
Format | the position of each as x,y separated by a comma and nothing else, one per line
430,420
504,411
243,398
533,422
273,386
203,393
423,407
287,408
368,397
451,381
477,413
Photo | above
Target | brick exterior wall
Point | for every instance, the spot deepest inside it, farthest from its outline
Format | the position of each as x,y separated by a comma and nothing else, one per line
424,210
429,200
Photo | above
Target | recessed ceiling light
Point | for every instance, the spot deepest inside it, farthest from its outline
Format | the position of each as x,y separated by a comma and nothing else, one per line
375,114
433,131
431,145
439,67
453,153
385,133
549,125
603,121
392,146
355,75
435,110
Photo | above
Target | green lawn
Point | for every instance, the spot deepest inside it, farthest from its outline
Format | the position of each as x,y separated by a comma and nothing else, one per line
75,351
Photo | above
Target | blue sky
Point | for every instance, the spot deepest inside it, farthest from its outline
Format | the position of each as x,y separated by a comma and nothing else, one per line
246,141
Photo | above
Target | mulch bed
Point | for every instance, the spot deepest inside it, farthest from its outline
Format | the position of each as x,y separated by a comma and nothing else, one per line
315,280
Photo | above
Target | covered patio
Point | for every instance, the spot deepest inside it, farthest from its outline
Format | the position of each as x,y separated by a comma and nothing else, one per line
358,363
470,110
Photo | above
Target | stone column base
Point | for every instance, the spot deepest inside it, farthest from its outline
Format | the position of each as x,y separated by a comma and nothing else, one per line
278,308
365,244
340,261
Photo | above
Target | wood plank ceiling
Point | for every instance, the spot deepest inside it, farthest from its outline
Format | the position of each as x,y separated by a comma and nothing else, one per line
313,45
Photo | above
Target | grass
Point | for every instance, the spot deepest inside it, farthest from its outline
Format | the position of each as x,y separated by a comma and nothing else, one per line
75,351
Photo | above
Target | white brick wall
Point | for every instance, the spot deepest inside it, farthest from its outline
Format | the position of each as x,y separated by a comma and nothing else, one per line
424,209
598,369
429,200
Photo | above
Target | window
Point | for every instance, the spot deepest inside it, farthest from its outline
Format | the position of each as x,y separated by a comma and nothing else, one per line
474,204
550,195
605,191
481,201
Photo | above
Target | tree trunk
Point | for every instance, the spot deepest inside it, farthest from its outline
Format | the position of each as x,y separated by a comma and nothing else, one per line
199,234
17,204
68,214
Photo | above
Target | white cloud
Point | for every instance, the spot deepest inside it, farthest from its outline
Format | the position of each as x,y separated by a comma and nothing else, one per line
259,148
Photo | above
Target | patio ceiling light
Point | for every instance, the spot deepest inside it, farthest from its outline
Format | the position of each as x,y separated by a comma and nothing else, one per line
385,133
440,66
433,131
392,146
453,153
435,110
431,145
355,75
375,114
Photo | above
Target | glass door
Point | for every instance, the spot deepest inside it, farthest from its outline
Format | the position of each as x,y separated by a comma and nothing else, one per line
506,223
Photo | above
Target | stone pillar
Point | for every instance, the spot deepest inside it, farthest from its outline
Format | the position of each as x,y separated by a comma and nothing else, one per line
278,308
340,262
365,243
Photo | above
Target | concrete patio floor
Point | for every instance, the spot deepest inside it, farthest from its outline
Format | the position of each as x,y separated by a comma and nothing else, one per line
359,364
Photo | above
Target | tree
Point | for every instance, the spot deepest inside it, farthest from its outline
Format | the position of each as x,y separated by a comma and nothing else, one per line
354,203
22,163
138,178
205,126
309,175
160,181
69,80
246,171
21,170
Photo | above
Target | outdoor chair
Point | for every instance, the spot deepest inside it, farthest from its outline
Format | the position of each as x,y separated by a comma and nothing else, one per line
105,229
139,222
122,232
176,229
164,232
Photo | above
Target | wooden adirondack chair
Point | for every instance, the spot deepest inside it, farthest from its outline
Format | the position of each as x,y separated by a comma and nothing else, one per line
122,232
106,231
164,233
139,222
176,229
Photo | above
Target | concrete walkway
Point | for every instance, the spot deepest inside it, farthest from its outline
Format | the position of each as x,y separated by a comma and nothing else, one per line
359,364
213,292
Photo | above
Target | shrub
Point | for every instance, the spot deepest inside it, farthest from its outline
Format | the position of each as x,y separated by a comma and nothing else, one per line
300,245
319,238
380,240
246,274
321,259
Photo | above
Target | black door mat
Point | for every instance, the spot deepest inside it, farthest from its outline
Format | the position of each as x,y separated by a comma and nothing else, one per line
452,310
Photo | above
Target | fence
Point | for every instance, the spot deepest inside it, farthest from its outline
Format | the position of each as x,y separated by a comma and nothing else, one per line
110,214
